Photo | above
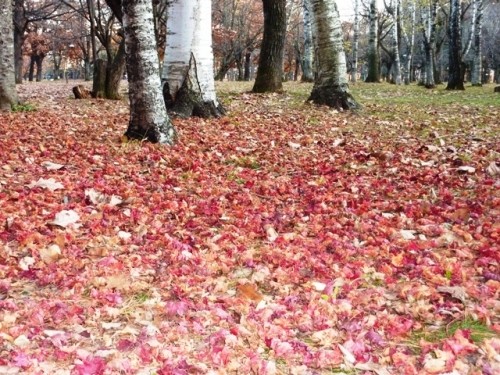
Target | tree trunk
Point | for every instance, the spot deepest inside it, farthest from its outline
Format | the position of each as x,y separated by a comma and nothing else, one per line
476,78
429,40
307,61
270,71
19,29
188,63
355,43
99,82
455,77
396,65
330,86
31,73
373,56
8,94
148,114
114,73
410,41
39,67
248,56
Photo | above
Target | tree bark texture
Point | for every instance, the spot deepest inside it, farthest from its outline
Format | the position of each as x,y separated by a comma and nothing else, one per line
114,73
429,41
148,114
355,43
330,86
8,94
455,77
373,55
307,61
20,23
270,71
477,59
189,87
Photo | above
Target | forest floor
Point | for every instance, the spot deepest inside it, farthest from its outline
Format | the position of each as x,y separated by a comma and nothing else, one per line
284,238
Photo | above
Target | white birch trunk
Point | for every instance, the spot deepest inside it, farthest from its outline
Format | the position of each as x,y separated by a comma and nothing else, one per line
330,86
373,53
468,44
148,114
355,43
477,61
410,41
429,33
8,94
307,67
189,47
395,5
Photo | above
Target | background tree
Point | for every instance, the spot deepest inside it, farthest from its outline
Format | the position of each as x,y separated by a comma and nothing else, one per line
8,94
148,114
189,87
373,55
455,76
237,34
26,14
393,8
308,57
355,43
270,71
428,15
330,86
477,58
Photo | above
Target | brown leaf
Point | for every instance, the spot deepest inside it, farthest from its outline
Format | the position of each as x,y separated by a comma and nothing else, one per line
250,292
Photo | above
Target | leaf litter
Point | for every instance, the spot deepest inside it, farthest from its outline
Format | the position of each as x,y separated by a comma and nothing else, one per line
302,241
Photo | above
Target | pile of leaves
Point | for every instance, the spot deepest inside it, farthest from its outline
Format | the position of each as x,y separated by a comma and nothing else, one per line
281,239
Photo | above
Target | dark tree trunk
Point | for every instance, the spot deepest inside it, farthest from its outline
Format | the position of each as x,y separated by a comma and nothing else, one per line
39,62
373,55
99,83
114,73
31,73
270,72
248,56
20,23
455,77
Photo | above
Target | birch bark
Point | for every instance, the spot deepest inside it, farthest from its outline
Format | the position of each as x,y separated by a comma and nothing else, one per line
330,86
477,60
373,56
8,94
429,33
307,65
355,43
188,76
148,115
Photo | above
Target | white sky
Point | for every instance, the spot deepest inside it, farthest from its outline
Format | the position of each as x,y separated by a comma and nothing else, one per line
346,8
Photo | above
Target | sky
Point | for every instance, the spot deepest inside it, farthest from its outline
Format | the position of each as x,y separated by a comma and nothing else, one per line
346,8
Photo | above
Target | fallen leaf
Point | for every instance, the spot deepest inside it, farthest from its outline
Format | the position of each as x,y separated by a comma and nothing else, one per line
49,184
52,166
66,218
250,291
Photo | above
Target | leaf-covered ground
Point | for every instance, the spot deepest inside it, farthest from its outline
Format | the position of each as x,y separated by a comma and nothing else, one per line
281,239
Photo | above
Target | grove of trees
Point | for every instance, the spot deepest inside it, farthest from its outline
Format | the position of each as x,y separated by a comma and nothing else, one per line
197,42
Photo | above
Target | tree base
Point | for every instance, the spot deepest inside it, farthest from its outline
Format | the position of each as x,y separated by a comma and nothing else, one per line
81,92
163,134
188,101
333,96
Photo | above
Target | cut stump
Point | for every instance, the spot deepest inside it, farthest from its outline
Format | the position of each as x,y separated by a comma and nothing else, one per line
81,92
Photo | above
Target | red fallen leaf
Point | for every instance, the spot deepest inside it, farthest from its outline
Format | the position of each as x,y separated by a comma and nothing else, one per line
179,308
125,345
91,366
